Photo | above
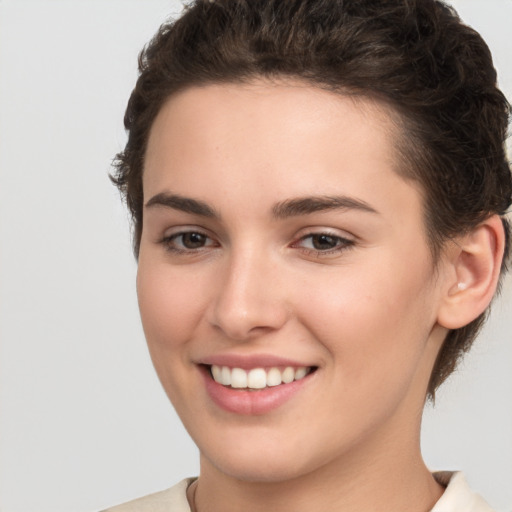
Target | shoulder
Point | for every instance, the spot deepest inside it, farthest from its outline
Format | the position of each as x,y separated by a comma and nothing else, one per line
170,500
458,497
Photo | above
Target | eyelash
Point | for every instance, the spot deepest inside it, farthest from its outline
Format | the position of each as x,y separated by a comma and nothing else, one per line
169,242
341,243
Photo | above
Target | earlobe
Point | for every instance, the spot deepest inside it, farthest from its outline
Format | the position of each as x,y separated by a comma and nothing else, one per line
475,263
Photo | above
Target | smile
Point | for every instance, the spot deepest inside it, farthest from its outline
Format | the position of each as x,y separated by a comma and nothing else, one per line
257,378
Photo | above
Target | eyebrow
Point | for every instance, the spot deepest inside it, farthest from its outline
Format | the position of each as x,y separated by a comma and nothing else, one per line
184,204
289,208
313,204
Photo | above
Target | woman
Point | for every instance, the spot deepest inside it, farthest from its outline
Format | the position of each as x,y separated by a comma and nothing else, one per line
318,191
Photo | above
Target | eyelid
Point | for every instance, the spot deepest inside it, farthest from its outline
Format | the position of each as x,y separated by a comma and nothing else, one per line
329,231
173,233
185,228
346,241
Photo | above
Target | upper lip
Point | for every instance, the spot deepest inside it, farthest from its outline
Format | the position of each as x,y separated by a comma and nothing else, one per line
247,362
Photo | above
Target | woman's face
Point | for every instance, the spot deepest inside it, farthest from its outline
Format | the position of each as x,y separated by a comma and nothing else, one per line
279,243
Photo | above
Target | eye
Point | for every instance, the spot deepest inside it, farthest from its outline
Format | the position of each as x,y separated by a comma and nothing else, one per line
191,240
323,243
187,241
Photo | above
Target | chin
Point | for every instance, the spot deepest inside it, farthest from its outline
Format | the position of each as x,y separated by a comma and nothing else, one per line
273,461
259,471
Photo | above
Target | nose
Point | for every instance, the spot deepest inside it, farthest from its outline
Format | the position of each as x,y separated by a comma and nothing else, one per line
250,298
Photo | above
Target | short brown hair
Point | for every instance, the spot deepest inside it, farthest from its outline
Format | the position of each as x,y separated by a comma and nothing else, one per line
414,55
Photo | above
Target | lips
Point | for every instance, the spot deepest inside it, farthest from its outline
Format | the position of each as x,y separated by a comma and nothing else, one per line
253,385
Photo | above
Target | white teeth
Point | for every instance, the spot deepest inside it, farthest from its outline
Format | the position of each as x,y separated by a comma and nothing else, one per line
288,375
238,378
257,378
300,373
274,377
217,373
225,376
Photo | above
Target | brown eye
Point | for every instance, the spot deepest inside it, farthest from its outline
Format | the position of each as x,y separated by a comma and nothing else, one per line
323,242
193,240
187,242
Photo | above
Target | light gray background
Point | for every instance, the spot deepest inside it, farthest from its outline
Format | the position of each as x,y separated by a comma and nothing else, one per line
84,423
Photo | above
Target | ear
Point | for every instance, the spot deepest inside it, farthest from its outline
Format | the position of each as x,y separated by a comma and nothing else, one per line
473,268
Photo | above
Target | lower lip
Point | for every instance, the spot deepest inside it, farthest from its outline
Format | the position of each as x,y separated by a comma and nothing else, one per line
256,402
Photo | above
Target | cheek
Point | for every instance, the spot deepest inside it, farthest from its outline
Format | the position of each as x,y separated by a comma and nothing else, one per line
373,322
169,303
170,310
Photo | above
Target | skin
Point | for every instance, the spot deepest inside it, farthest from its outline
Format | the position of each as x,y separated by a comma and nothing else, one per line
365,313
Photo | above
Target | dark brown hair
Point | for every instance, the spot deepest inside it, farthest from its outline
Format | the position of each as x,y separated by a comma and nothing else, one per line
414,55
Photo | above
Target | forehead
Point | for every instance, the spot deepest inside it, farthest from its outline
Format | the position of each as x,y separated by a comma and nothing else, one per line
261,99
268,114
266,141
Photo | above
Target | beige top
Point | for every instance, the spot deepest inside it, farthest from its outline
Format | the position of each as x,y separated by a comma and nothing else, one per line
170,500
457,497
